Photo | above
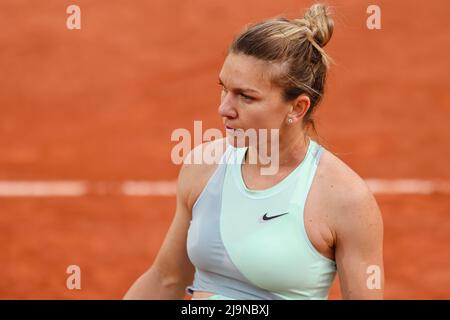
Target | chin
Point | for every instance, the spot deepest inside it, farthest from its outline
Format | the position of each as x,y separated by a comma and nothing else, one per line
237,143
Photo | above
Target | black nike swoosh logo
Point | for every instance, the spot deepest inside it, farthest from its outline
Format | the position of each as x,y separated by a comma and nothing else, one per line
265,217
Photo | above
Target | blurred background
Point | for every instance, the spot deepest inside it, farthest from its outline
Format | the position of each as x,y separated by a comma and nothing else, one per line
86,118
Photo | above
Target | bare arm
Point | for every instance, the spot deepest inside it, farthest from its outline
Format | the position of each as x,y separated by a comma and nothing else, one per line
359,245
172,269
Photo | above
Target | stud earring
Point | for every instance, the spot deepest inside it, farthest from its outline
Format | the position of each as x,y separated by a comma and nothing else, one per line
290,120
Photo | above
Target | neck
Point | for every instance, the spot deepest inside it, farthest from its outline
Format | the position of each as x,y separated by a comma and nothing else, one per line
291,151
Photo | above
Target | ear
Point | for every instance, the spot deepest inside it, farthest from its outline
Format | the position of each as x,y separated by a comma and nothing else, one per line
299,107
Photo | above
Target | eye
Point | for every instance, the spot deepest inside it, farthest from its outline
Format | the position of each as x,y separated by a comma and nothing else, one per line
248,98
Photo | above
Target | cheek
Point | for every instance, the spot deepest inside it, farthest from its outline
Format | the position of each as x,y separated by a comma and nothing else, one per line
270,113
258,116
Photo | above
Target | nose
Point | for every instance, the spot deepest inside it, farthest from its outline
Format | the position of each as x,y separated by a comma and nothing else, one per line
226,108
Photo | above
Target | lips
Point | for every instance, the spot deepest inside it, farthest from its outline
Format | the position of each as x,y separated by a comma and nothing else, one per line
231,131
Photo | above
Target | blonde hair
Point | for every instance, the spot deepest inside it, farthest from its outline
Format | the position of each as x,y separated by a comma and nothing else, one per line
297,46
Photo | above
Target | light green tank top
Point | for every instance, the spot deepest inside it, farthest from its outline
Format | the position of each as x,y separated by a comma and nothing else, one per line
252,244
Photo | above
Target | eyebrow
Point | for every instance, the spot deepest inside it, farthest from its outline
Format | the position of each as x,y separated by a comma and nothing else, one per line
241,89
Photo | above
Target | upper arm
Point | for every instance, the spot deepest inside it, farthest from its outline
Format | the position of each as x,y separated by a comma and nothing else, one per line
172,261
359,244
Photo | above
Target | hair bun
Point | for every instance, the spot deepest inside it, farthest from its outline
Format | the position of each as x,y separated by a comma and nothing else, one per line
320,23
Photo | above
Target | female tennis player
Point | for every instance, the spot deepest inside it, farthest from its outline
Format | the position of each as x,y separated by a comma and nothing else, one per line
238,234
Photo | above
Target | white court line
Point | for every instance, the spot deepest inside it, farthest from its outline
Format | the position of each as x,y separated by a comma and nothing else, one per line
408,186
168,188
42,188
149,188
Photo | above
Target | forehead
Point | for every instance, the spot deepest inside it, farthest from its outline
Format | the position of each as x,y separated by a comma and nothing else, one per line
240,70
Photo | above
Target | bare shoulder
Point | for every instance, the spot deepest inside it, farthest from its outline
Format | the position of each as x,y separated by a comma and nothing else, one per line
349,201
341,181
353,225
198,166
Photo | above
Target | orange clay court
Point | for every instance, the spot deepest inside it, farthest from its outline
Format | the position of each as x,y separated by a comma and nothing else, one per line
94,109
